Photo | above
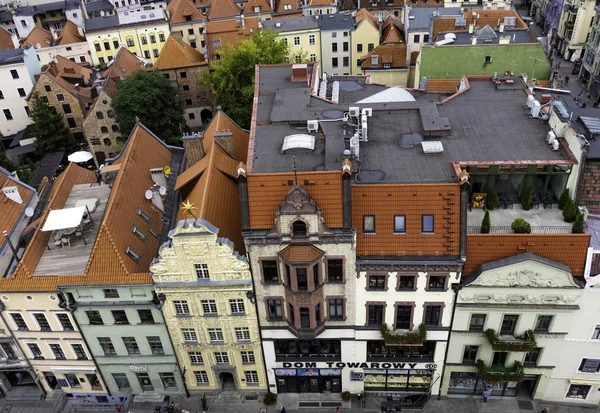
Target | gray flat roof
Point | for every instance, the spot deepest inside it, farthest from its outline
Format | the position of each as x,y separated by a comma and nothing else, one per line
98,6
102,23
11,56
485,124
292,24
518,36
420,18
337,21
43,8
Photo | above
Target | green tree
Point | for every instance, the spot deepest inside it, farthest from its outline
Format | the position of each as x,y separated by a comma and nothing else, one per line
49,129
569,211
492,201
564,198
486,224
520,226
527,198
232,77
578,226
151,98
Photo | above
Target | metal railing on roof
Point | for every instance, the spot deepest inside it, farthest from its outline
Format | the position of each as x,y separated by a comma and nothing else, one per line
534,230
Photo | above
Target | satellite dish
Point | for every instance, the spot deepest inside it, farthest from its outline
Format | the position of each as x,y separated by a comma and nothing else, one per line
162,190
102,13
29,212
38,46
167,170
148,194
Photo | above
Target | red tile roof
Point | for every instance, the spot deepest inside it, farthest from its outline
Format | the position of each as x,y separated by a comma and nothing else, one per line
179,10
177,54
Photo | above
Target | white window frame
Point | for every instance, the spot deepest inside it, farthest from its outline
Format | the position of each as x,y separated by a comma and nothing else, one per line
204,375
12,321
311,39
573,398
221,355
191,332
181,303
211,305
84,350
31,355
218,332
596,327
197,355
248,357
52,352
251,376
62,328
243,332
237,303
296,40
33,313
202,271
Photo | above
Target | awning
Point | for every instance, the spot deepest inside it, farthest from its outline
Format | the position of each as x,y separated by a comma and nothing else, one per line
64,218
74,368
585,382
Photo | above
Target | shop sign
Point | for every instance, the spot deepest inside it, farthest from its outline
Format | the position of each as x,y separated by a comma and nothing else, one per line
355,376
341,365
138,368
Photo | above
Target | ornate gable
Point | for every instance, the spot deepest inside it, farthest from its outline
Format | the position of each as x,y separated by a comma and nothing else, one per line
298,201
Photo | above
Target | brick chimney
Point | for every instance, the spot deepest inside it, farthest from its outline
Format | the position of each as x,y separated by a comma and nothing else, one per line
300,72
346,195
194,148
224,139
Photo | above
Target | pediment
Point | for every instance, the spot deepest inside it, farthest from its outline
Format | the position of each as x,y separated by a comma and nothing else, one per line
298,201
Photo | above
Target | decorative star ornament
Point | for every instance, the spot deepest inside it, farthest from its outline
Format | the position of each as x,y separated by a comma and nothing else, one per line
188,207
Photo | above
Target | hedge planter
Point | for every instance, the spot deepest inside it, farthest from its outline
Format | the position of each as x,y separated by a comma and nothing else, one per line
524,344
414,337
496,374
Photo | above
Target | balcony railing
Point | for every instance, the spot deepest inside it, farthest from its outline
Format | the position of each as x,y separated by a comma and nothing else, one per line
534,230
308,357
525,343
413,337
499,373
422,358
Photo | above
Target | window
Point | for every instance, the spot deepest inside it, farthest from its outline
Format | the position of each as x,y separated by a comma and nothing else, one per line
209,307
7,114
195,357
432,315
138,233
121,381
532,357
221,357
144,40
1,95
248,357
27,110
313,57
101,60
115,128
79,352
590,366
578,391
242,334
499,358
274,310
375,315
509,322
334,47
152,38
470,354
417,38
110,293
99,115
19,321
425,38
202,271
335,270
346,61
131,345
302,279
477,322
488,59
237,306
42,322
201,377
368,224
377,283
155,345
311,39
345,46
542,325
191,115
596,334
167,380
21,92
103,129
181,307
36,353
188,102
161,37
404,317
406,283
193,44
296,40
107,346
71,122
299,229
115,44
130,42
256,9
370,47
95,385
270,273
399,224
427,224
334,62
251,377
72,380
215,334
120,317
189,334
106,46
436,283
8,351
14,74
359,47
58,352
143,215
146,316
155,54
183,75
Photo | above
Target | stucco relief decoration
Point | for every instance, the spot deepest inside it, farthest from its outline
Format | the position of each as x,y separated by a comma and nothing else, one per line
298,201
518,299
521,278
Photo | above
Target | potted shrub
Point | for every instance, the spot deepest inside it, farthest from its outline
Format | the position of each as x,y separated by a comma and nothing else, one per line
270,398
527,198
485,224
346,396
520,226
578,226
492,200
569,212
564,198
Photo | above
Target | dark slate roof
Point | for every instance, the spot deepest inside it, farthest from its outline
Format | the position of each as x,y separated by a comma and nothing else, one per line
48,167
292,24
11,56
515,259
420,18
43,8
102,23
337,21
5,16
98,6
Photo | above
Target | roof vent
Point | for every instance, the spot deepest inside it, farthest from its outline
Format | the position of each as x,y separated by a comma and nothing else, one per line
12,193
298,141
432,147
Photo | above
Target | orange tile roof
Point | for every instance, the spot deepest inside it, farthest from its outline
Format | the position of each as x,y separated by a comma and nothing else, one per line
262,4
68,69
180,9
394,53
177,54
10,211
442,85
364,14
267,191
319,3
228,32
481,19
391,34
568,249
294,6
123,65
70,34
38,36
385,201
223,8
6,41
211,183
301,253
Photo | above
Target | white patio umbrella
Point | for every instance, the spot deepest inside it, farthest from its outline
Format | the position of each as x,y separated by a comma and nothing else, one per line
80,156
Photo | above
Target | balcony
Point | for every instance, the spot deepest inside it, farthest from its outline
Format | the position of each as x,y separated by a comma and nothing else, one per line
500,373
308,357
547,220
412,338
525,343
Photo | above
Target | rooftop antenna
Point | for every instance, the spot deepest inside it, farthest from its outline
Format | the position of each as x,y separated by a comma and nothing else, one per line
295,174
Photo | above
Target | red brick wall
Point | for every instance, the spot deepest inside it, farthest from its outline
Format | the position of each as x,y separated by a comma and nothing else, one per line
589,188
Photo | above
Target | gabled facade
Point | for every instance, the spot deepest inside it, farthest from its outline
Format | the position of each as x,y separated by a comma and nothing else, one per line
365,37
301,34
336,35
68,43
186,18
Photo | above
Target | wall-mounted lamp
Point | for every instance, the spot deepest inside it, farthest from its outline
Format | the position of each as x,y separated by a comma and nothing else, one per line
250,296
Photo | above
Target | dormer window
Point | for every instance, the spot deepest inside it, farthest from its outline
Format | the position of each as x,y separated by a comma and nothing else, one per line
299,229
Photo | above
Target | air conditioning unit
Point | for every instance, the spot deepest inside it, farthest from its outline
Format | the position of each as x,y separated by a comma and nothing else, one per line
313,125
555,145
550,137
367,111
354,112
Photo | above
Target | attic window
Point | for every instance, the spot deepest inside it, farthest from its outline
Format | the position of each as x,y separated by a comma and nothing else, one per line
138,233
387,65
287,7
299,229
374,60
154,234
217,42
488,59
256,9
188,18
143,215
132,254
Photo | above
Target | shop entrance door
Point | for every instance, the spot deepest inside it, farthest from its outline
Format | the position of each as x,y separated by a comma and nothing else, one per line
145,382
227,382
527,387
50,379
308,384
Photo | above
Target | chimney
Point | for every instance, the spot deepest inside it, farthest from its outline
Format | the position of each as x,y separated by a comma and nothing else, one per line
299,72
243,22
271,4
501,28
53,33
225,140
194,148
474,40
12,193
347,195
470,28
80,31
243,196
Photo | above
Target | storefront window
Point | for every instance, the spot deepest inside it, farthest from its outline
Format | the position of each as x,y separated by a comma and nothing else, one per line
308,380
377,350
462,383
470,383
578,391
168,380
308,349
398,380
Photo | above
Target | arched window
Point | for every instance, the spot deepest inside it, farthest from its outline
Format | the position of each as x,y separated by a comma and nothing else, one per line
107,142
115,128
299,229
104,129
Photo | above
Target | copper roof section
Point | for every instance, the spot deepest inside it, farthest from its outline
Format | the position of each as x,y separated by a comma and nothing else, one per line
68,69
6,41
69,34
211,183
179,10
442,85
567,249
177,54
123,65
38,36
392,34
301,254
364,14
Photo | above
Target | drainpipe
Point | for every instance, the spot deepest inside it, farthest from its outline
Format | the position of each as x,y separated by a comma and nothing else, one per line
456,288
580,170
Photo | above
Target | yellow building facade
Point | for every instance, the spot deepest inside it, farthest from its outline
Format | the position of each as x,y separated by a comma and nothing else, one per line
364,37
302,35
209,308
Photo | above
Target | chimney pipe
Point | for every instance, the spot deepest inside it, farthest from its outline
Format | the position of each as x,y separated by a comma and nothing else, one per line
501,29
243,22
243,197
470,28
346,195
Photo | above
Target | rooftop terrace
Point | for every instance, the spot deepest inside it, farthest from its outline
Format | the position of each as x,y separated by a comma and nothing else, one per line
484,123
